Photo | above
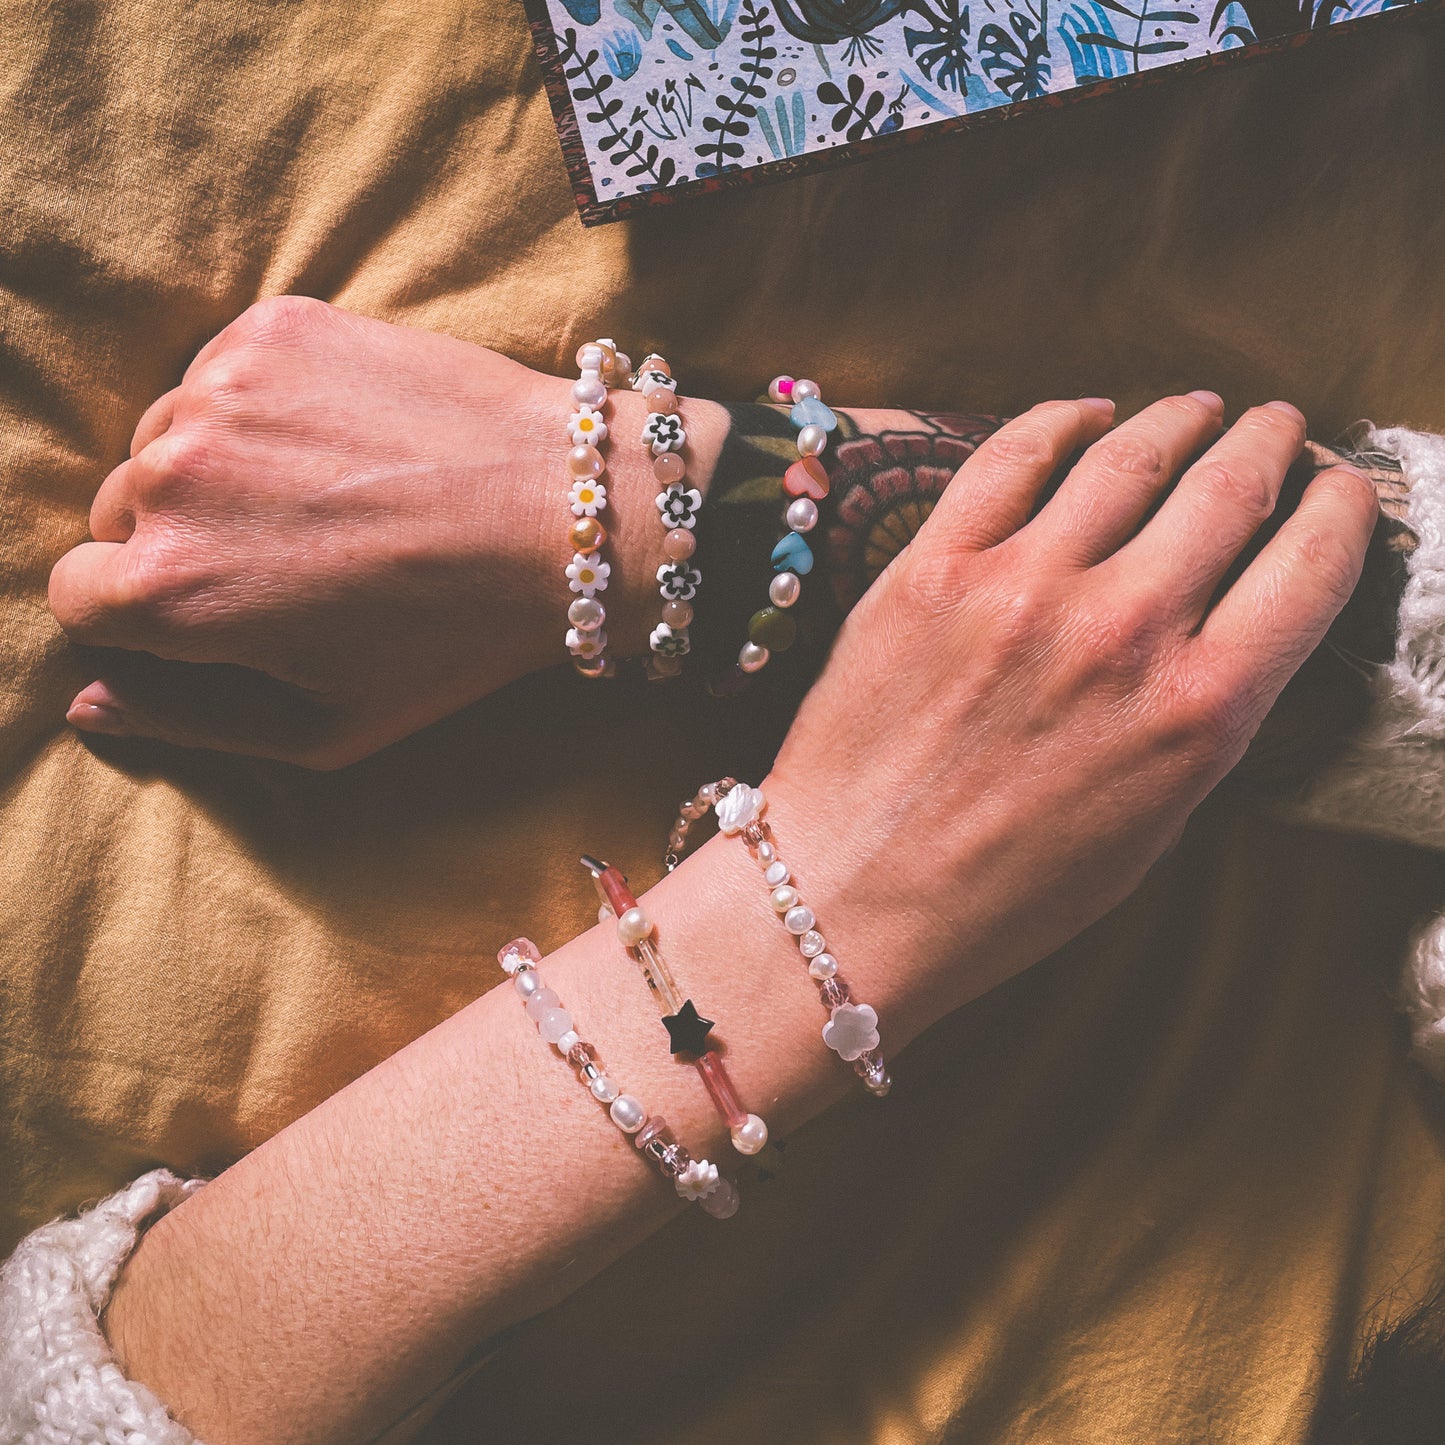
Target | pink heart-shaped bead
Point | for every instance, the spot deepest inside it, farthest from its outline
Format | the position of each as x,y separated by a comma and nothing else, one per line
806,478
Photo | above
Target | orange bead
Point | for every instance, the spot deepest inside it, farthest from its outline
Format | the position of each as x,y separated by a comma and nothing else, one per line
669,468
654,362
677,613
588,535
679,544
660,399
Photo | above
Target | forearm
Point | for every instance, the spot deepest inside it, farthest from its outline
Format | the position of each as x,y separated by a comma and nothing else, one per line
336,1274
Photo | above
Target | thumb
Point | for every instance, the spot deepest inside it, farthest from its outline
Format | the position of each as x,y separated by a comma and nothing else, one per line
208,705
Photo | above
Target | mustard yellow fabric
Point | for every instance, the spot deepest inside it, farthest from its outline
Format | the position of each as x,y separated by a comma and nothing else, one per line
1142,1194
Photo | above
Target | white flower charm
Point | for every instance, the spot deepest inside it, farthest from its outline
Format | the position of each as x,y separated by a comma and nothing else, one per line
852,1030
698,1180
585,644
678,582
648,377
587,498
663,433
669,641
743,805
586,425
587,575
679,506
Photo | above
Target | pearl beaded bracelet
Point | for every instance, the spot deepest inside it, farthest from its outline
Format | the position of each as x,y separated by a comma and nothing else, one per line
587,573
687,1030
852,1028
694,1179
772,629
664,436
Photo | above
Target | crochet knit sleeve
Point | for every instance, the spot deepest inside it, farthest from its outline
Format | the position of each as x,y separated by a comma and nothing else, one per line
58,1382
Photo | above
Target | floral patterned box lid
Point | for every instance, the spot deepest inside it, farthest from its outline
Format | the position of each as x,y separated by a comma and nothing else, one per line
657,99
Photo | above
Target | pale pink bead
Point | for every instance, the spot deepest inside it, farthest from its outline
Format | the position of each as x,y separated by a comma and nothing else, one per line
660,399
523,948
722,1202
669,468
780,389
585,462
834,992
677,613
589,390
679,544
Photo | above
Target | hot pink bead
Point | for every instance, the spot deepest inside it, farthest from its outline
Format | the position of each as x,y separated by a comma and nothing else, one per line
585,462
677,613
669,468
679,544
660,399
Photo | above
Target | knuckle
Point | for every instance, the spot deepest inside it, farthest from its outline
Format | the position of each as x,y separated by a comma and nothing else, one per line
1331,561
224,378
183,452
1123,637
1021,446
1208,718
1242,486
1129,455
280,318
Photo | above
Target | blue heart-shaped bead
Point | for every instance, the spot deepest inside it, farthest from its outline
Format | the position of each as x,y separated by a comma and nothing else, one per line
812,412
793,554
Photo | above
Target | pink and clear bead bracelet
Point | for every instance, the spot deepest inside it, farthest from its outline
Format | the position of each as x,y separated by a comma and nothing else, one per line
852,1028
694,1179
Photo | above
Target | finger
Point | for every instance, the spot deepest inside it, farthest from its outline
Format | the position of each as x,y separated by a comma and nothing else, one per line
1110,490
92,594
994,491
1184,550
113,510
1259,633
155,422
207,705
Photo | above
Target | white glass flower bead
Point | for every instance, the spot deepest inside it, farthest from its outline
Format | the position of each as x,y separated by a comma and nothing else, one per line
586,425
852,1030
697,1180
669,641
587,575
678,582
586,644
663,433
587,497
679,505
743,805
649,376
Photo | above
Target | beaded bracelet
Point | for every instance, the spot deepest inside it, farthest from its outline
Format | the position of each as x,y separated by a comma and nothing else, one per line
772,629
694,1179
687,1030
852,1028
587,572
664,436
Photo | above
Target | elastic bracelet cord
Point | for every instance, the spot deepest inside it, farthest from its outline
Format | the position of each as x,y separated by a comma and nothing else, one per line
772,628
664,435
687,1030
852,1028
694,1179
587,572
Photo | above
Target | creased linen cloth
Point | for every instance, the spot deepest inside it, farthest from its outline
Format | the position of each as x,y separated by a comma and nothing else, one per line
1144,1192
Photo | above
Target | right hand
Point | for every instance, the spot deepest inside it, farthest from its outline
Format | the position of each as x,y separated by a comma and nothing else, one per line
1021,714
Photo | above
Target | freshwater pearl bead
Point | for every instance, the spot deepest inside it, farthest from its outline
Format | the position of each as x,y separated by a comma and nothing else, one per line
707,793
589,357
540,1002
799,919
568,1042
750,1135
785,898
679,544
752,657
780,389
628,1114
556,1023
824,966
669,468
802,514
766,853
587,614
803,389
811,943
527,982
811,440
587,535
777,873
785,589
589,390
677,613
603,1089
633,926
585,462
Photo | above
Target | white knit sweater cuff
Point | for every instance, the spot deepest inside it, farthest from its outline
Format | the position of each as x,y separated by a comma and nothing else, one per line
58,1382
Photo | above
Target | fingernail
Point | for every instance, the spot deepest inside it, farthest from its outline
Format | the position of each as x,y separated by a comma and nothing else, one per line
1288,410
1211,399
90,717
1100,404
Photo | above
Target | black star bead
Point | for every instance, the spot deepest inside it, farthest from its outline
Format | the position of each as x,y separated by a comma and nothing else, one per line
688,1030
